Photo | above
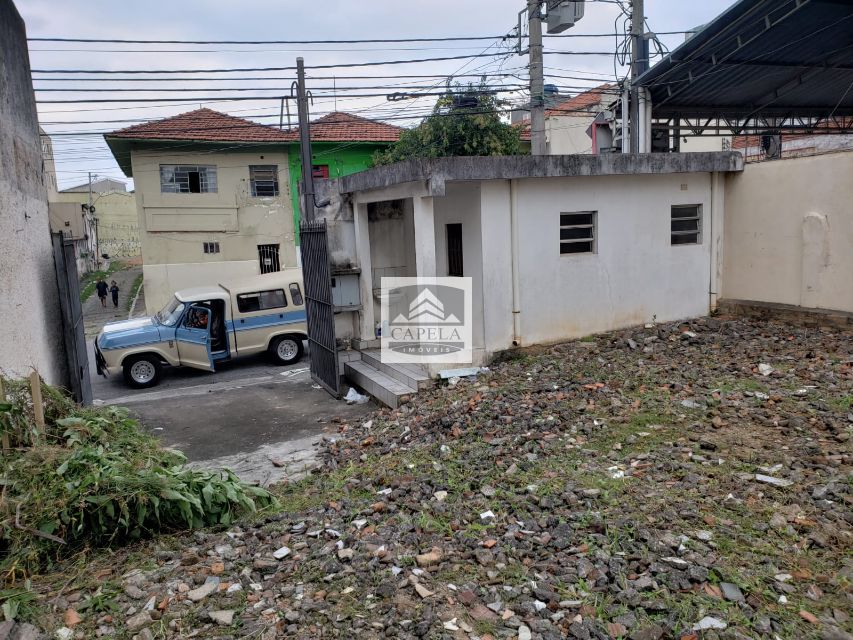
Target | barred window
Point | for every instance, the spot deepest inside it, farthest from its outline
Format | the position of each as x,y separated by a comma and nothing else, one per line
211,247
685,226
264,180
577,232
187,178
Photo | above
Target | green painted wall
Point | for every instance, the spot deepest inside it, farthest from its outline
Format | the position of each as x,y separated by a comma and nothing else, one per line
343,159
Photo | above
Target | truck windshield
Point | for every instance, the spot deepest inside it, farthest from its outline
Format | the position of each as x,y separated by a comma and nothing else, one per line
171,313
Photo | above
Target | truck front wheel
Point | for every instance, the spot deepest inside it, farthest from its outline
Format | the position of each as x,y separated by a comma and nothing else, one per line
142,371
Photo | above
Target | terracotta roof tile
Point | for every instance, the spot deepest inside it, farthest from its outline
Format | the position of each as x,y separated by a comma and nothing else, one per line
586,101
345,127
207,125
204,125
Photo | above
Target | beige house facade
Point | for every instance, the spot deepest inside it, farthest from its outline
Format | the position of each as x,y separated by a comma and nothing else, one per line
117,233
218,208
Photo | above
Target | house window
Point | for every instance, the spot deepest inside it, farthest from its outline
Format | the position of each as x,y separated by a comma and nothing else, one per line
211,247
268,258
264,180
320,171
261,300
685,226
577,232
296,294
187,178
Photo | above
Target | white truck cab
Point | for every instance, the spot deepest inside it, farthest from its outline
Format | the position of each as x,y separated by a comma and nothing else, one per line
205,325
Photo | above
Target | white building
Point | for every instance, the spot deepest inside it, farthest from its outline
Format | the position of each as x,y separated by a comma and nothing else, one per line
557,246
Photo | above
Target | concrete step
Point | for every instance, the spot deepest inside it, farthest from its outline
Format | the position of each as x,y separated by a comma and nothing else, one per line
384,388
410,375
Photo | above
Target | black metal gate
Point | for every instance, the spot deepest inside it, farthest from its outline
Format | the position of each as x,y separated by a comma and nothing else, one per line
72,319
320,309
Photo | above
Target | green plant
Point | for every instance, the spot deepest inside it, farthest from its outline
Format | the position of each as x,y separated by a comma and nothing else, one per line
96,479
134,291
18,604
466,121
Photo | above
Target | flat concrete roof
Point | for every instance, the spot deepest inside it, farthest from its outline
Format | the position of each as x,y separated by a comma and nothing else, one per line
437,171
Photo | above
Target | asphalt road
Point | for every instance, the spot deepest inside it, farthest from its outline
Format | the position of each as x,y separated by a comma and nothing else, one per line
259,419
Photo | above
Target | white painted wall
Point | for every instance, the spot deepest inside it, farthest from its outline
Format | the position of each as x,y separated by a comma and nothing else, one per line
635,276
461,204
789,232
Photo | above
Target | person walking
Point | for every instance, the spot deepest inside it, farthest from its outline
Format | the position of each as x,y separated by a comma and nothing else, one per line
102,288
114,291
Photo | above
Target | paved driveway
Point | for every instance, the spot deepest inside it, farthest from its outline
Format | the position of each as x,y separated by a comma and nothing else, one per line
259,419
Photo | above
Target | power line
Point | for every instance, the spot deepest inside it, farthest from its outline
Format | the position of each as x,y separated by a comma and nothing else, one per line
258,42
280,89
321,66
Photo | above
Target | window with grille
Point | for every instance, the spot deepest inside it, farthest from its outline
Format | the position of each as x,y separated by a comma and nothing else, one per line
268,258
577,232
211,247
685,226
261,300
320,171
264,180
187,178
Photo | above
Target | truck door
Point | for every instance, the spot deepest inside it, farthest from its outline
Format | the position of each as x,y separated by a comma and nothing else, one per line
193,338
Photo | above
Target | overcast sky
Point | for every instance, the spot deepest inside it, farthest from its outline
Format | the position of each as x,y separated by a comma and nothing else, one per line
290,20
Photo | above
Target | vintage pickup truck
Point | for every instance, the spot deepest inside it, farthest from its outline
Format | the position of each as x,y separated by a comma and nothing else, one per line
205,325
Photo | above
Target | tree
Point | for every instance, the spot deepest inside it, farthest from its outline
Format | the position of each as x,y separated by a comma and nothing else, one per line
466,121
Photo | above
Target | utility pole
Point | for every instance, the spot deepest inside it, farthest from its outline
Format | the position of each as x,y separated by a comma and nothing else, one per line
305,143
538,145
89,230
639,63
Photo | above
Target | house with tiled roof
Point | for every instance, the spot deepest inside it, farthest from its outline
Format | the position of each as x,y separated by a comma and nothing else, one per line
217,195
341,144
574,125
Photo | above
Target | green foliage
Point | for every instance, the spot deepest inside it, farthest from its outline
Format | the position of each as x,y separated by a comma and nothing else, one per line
466,121
88,281
18,604
96,479
134,291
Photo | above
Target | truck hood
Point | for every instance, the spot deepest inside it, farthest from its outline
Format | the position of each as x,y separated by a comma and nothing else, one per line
128,333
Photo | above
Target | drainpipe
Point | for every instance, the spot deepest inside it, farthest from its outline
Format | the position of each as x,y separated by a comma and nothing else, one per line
516,287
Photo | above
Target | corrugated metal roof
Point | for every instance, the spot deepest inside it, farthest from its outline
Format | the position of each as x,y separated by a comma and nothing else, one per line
761,57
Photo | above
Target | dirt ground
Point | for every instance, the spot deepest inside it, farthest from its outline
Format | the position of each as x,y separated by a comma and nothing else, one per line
676,481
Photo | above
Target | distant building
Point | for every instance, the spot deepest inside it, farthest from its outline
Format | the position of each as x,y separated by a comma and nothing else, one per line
576,124
217,196
116,220
341,144
29,297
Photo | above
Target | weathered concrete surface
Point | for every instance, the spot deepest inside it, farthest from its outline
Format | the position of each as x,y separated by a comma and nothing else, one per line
437,171
258,419
29,298
95,316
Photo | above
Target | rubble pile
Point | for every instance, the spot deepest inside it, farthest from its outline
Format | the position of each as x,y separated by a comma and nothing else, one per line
674,481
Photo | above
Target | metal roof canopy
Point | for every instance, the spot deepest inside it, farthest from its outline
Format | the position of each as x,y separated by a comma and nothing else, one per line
762,64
